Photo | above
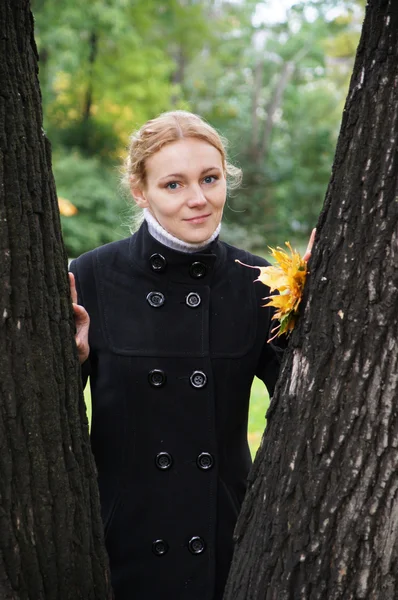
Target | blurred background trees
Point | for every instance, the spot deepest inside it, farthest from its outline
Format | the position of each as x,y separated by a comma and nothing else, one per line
272,81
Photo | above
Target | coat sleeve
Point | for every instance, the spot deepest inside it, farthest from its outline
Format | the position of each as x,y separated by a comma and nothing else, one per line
85,368
269,363
270,360
271,356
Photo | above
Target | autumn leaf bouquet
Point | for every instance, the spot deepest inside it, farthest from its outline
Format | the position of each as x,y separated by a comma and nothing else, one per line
287,277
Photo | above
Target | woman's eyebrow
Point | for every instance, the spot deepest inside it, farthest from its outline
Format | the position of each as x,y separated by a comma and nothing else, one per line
182,174
210,169
171,175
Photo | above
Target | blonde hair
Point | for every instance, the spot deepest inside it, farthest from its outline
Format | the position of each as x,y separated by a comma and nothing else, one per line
165,129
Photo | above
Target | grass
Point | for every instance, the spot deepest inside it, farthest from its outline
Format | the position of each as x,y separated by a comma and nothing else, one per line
87,398
259,401
258,407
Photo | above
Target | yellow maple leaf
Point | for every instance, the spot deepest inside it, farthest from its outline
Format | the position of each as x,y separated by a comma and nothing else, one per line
287,278
274,278
66,208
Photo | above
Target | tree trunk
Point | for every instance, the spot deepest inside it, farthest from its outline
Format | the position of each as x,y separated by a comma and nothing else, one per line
276,101
274,105
51,539
320,519
178,75
256,97
88,99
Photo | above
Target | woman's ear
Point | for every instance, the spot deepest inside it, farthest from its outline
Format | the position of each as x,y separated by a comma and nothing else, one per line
139,196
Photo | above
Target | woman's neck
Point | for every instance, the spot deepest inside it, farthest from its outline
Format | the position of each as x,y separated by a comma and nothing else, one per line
167,239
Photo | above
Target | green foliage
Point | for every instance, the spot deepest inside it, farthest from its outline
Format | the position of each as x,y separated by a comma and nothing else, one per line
95,65
275,90
102,213
285,176
308,151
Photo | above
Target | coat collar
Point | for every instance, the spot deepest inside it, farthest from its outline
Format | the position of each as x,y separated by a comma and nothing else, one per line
155,258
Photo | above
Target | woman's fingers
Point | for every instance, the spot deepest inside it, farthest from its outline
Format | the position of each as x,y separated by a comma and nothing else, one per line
82,322
81,315
72,286
307,254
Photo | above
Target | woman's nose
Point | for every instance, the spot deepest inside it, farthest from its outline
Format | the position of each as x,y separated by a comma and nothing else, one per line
196,197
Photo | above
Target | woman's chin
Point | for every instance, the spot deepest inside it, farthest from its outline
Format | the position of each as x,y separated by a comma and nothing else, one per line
197,234
199,238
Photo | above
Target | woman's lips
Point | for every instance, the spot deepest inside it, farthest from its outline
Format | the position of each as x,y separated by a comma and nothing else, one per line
198,219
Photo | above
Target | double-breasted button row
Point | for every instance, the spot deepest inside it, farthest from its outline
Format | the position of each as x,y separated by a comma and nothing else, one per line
158,263
157,378
164,461
157,299
196,545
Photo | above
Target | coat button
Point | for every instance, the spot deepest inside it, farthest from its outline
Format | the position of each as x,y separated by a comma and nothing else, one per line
160,547
157,377
158,263
155,299
198,379
163,461
197,270
196,545
205,461
193,300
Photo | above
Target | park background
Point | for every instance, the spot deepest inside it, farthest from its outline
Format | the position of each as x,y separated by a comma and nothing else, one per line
271,76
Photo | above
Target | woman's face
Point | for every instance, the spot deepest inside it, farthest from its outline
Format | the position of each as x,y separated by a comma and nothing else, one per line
185,189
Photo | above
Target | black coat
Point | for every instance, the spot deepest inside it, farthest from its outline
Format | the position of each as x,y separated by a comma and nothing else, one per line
175,341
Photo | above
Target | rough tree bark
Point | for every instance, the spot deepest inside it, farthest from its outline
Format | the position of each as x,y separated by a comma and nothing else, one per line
51,540
320,519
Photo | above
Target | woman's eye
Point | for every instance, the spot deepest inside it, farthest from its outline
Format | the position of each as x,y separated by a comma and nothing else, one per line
173,185
210,179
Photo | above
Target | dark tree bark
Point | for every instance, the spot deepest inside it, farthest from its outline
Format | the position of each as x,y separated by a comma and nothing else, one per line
320,519
51,539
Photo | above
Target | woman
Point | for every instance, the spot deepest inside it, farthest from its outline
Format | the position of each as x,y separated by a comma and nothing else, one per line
177,334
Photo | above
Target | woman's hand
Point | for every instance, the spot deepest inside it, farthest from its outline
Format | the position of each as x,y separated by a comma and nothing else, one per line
82,323
307,254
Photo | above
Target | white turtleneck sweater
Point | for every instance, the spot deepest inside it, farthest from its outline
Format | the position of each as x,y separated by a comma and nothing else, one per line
167,239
